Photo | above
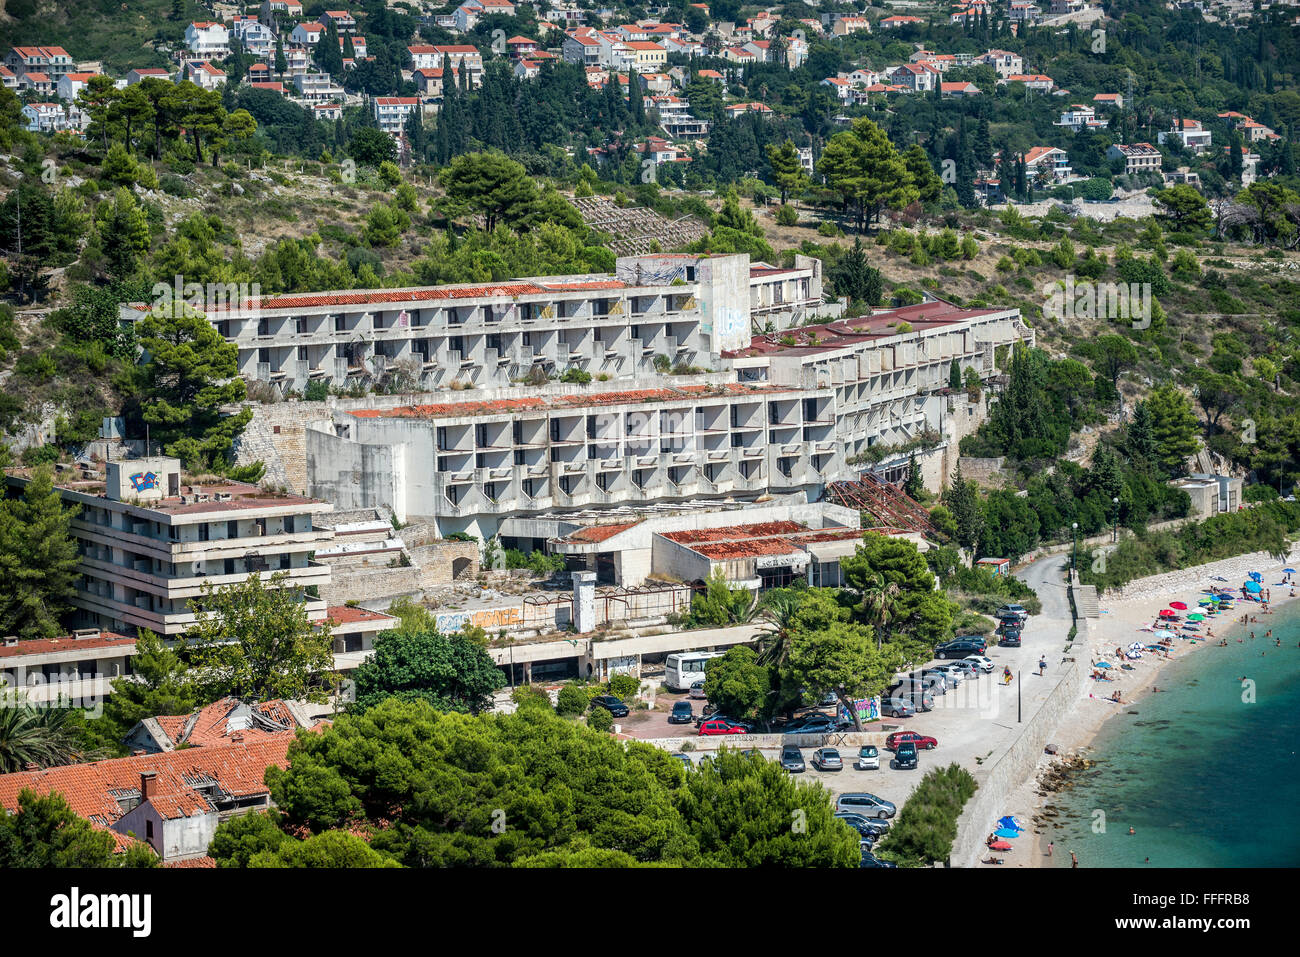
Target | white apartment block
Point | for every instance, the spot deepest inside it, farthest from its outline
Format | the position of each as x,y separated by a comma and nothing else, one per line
685,307
467,466
885,384
788,413
76,667
148,543
391,112
209,41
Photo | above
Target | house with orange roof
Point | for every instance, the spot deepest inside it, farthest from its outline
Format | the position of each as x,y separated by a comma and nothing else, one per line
218,724
53,62
75,667
208,40
896,22
173,801
1038,82
1190,133
959,88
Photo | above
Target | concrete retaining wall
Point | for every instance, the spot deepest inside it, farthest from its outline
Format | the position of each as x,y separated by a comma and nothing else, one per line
1004,776
848,742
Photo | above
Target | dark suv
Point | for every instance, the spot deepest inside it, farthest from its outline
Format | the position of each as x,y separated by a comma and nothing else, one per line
905,757
961,647
682,713
614,706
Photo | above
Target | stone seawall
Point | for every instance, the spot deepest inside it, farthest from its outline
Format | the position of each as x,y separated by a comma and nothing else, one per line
1004,776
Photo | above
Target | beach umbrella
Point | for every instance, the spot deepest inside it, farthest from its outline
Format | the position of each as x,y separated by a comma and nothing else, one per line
1289,571
1196,616
1164,633
1102,664
1010,822
1253,587
1207,601
1255,576
1000,846
1178,604
1168,613
1006,832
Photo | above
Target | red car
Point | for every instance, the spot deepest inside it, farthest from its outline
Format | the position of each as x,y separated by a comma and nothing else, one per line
922,742
720,726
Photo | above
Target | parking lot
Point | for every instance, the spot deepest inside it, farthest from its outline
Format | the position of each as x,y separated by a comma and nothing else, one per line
973,722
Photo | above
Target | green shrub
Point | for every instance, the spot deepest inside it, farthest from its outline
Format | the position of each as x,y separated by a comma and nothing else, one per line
572,700
786,215
599,719
927,824
317,391
624,686
529,696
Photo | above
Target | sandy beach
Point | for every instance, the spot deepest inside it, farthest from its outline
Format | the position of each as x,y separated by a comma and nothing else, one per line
1123,616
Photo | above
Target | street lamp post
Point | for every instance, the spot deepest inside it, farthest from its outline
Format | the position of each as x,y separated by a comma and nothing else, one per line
1074,555
1115,536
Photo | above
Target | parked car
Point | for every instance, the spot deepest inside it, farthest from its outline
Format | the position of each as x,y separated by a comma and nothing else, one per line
864,825
964,667
752,753
868,805
683,757
614,706
961,647
1012,611
1010,639
981,662
722,726
868,758
897,707
682,713
869,860
923,741
951,678
811,724
921,699
827,759
697,691
792,759
905,757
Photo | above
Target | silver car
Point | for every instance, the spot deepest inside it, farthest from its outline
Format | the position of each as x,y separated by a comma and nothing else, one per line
894,707
827,759
868,805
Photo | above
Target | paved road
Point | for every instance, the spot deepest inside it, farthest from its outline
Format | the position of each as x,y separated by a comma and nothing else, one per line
1047,578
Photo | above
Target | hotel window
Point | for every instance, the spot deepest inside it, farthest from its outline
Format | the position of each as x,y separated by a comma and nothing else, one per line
453,494
529,485
490,490
602,481
566,484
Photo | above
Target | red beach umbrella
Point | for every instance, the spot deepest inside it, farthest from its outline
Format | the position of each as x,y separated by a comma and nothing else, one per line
1178,604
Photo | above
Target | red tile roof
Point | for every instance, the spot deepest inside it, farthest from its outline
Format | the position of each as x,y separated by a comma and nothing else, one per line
750,541
601,533
46,646
92,790
215,724
346,615
846,332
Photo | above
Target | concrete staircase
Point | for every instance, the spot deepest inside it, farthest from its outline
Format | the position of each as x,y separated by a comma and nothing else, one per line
1085,601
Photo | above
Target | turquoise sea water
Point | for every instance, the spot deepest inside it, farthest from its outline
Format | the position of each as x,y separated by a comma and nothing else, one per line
1204,778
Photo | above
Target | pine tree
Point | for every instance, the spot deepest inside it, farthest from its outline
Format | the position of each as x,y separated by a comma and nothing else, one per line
914,486
38,560
954,376
962,500
281,64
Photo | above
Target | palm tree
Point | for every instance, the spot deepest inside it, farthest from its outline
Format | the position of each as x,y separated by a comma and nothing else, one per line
776,612
38,736
878,600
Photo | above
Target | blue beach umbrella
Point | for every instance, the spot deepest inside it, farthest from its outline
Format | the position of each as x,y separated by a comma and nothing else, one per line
1253,587
1006,832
